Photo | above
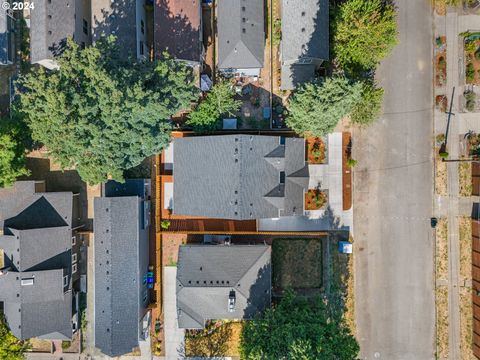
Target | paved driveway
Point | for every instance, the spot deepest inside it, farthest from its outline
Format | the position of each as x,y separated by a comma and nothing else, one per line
393,203
174,337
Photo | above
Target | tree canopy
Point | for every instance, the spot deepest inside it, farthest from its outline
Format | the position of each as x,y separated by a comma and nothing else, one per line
101,114
219,101
13,143
298,329
364,32
369,108
10,347
316,108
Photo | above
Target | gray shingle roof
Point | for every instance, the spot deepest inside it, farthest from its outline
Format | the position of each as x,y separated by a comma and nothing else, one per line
121,261
305,40
206,275
237,176
241,36
36,241
50,25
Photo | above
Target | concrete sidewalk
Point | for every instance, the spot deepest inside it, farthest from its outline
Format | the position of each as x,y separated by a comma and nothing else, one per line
174,337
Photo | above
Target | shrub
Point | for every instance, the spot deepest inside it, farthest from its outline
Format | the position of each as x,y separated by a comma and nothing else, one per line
66,344
470,100
351,162
441,62
470,73
470,46
477,54
439,41
443,154
440,139
165,224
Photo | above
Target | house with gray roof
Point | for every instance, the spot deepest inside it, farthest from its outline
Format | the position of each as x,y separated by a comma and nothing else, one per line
52,22
7,37
240,177
222,282
38,261
124,19
241,36
121,260
305,40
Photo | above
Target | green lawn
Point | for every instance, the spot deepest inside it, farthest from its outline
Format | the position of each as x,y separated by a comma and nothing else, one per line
297,263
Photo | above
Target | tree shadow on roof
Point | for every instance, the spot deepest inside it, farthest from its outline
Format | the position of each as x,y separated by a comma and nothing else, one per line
177,29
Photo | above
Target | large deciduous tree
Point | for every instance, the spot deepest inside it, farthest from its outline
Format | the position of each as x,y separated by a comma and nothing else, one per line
219,101
14,139
364,32
298,329
316,108
10,347
101,114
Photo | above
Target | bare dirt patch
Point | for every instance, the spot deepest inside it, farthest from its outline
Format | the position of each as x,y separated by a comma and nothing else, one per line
218,339
465,178
441,250
465,237
440,174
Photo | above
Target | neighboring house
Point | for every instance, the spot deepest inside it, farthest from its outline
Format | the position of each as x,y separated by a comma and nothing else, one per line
52,22
178,30
222,282
39,258
121,260
240,177
126,20
241,36
305,40
7,37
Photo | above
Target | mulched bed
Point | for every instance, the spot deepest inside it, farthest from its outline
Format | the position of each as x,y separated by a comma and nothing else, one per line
316,150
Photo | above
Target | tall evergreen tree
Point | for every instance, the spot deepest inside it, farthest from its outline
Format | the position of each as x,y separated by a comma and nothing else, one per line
101,114
316,108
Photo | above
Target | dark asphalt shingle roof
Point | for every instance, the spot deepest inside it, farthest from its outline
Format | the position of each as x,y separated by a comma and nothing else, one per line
177,29
305,40
51,22
237,176
241,36
206,274
38,251
121,259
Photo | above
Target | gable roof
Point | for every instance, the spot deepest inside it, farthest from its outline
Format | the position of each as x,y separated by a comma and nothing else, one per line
207,274
238,176
177,29
241,36
50,25
305,30
121,259
36,243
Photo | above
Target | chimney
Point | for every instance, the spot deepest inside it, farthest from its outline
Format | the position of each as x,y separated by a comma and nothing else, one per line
231,301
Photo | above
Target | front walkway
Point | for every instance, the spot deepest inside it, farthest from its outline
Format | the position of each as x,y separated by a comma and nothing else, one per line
174,337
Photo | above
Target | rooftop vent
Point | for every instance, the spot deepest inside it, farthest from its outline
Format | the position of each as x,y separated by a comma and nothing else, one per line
27,281
231,301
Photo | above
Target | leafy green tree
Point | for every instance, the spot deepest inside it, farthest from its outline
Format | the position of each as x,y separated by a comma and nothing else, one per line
219,101
298,328
14,139
369,108
316,108
364,32
10,347
101,114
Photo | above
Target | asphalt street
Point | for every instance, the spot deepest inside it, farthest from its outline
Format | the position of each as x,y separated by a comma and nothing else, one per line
394,289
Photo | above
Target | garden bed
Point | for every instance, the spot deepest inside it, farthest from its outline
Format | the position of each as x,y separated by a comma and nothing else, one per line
441,68
316,199
440,174
472,60
316,150
441,103
297,263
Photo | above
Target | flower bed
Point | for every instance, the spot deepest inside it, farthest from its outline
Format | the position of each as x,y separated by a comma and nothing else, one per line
316,151
315,199
472,61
